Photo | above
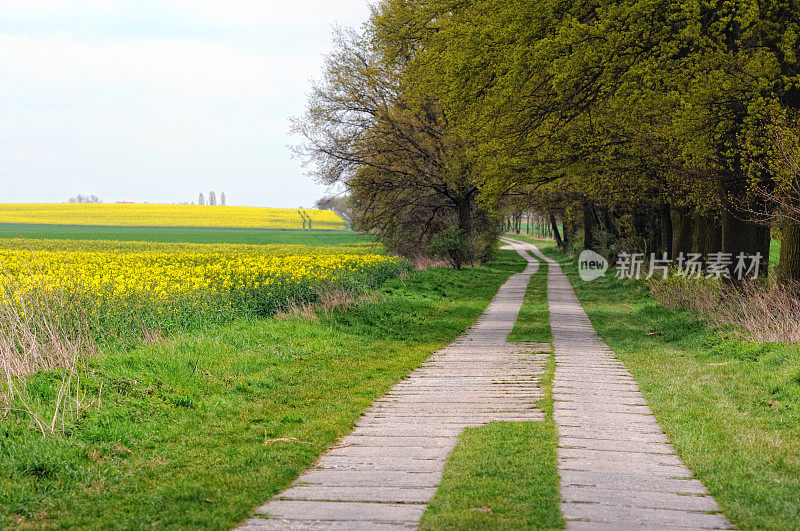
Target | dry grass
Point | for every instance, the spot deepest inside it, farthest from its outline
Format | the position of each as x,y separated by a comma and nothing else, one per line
151,336
42,330
39,330
753,310
327,301
423,261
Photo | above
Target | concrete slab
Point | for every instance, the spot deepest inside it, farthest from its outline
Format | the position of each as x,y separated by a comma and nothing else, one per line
264,524
617,468
642,516
361,494
385,471
343,511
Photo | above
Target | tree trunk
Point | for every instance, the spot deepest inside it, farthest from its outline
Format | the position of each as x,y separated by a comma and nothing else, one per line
681,232
464,212
706,235
569,235
588,224
641,227
744,237
666,228
712,240
557,236
608,222
654,240
789,264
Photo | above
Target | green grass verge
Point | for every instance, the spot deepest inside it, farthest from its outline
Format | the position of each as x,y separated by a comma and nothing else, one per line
183,234
533,323
730,407
197,430
504,475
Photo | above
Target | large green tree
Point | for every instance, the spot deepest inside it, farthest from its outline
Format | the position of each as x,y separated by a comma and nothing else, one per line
646,118
406,169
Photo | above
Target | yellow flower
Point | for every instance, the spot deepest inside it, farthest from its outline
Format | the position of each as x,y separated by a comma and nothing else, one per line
168,216
163,275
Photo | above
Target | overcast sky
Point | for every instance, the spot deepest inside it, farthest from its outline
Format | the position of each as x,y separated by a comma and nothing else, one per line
159,100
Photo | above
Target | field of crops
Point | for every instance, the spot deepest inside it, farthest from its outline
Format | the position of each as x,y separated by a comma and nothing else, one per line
146,215
118,291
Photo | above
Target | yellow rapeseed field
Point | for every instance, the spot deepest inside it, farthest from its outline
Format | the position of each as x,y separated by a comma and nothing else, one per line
130,286
146,215
163,275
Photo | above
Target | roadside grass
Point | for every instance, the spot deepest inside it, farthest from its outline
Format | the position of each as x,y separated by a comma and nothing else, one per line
730,407
504,475
183,234
196,430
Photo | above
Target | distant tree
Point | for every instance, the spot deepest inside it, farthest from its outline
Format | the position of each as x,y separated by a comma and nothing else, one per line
212,198
780,193
201,200
80,198
338,203
222,199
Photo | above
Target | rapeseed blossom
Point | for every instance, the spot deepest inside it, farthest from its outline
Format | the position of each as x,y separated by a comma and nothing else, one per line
168,286
148,215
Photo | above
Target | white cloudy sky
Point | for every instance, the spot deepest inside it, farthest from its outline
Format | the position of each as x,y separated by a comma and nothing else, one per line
158,100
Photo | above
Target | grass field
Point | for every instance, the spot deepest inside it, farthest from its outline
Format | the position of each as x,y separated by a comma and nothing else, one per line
147,215
197,429
730,407
183,234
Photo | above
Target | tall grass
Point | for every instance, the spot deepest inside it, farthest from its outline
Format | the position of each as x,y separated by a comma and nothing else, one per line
753,310
40,329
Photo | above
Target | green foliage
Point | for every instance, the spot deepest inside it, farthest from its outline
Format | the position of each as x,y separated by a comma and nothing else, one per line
636,106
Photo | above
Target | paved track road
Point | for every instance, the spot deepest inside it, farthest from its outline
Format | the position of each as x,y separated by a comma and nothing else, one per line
382,475
618,469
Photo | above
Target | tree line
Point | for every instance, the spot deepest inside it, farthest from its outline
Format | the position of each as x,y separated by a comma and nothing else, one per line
212,199
641,125
80,198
